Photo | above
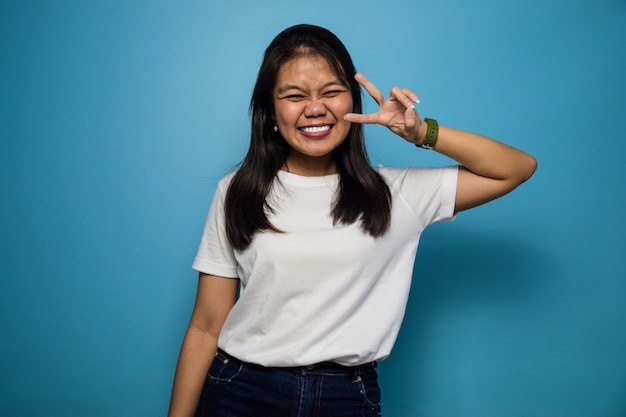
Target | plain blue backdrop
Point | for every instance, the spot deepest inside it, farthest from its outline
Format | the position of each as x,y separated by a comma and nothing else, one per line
117,118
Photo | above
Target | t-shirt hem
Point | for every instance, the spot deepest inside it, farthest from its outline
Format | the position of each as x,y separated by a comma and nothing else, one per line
448,194
211,268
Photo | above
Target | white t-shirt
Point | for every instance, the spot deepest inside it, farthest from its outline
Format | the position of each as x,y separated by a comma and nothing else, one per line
319,292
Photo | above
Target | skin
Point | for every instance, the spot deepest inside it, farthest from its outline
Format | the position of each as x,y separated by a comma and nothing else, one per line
309,94
489,169
214,299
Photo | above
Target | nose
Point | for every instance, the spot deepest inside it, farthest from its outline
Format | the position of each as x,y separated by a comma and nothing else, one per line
315,108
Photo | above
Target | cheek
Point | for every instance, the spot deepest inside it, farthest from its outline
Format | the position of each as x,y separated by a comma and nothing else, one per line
286,113
345,106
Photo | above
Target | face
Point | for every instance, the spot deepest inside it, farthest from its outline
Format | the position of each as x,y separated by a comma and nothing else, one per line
310,101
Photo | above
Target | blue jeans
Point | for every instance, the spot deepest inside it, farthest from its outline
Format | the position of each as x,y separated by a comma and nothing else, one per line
237,389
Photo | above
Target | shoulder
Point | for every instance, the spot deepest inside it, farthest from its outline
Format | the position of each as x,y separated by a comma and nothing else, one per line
225,181
219,192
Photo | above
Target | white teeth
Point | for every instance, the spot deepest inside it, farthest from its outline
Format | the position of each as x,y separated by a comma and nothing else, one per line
316,129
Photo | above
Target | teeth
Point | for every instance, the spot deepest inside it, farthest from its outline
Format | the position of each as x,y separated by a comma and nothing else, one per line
316,129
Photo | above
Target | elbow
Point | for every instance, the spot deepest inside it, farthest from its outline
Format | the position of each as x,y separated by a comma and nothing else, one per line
526,168
530,167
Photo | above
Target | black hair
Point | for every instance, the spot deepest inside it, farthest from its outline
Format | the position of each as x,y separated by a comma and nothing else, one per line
362,193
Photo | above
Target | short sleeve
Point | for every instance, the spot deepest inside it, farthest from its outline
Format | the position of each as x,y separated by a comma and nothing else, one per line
215,255
430,193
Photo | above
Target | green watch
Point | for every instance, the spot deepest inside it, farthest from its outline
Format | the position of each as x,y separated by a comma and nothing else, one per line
432,132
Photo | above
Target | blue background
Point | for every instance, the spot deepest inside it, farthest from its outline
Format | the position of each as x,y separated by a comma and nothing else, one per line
117,119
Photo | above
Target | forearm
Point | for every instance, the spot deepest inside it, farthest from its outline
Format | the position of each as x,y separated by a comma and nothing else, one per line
485,157
196,355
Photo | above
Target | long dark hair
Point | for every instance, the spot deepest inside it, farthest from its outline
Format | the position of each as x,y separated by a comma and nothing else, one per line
362,194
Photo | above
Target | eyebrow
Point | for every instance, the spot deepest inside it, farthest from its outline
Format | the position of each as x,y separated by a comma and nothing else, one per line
287,87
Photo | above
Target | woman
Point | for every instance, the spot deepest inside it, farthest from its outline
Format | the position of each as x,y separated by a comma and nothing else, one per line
319,245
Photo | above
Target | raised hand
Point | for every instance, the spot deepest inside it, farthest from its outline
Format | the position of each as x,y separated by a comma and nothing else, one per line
397,113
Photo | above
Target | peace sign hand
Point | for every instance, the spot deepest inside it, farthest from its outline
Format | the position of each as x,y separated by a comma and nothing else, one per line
397,113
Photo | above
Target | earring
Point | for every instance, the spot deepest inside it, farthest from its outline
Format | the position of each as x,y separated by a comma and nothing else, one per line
275,128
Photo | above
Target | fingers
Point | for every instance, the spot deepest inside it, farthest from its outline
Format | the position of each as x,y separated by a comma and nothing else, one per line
397,112
362,118
410,118
373,91
404,96
410,125
411,95
407,97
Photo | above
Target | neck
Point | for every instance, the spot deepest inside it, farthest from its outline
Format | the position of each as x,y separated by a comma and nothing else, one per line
310,167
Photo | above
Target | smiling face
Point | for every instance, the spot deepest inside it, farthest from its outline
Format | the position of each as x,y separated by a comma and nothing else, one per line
310,101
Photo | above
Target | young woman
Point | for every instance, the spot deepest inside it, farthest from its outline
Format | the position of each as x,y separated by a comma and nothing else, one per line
307,254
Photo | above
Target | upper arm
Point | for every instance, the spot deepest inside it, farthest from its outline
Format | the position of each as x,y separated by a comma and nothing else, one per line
473,190
214,300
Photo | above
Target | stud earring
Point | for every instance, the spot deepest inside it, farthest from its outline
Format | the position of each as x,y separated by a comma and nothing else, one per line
275,128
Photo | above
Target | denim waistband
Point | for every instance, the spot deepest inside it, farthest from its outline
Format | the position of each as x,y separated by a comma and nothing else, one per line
325,367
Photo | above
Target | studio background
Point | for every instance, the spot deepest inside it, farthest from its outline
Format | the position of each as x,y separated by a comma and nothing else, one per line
117,119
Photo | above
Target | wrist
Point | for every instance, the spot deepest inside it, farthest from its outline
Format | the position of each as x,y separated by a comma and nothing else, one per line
427,134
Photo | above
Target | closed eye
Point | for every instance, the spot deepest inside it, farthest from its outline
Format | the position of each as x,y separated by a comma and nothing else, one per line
301,97
333,93
294,97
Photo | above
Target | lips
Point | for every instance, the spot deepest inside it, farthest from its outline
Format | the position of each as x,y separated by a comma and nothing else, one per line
315,131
